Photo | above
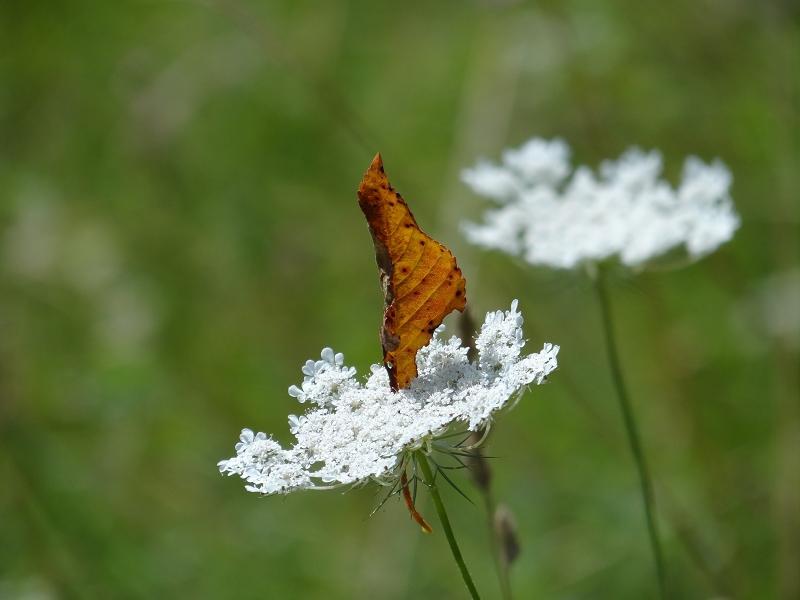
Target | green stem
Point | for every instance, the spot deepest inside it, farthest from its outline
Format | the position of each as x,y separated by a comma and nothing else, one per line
500,563
481,473
482,476
632,430
422,461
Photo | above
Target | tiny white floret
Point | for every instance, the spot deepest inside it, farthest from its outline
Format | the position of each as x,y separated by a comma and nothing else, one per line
358,431
623,211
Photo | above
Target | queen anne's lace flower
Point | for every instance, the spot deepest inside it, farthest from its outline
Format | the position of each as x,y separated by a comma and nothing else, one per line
356,431
625,210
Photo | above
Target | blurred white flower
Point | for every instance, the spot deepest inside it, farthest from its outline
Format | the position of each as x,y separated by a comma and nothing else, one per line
126,320
770,312
358,431
31,242
779,298
45,244
626,211
30,588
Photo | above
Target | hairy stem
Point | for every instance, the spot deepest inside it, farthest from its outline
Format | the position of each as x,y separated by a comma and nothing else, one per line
482,473
500,563
482,476
631,429
425,467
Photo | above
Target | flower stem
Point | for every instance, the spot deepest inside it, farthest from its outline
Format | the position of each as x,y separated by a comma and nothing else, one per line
422,461
482,477
631,429
482,474
500,563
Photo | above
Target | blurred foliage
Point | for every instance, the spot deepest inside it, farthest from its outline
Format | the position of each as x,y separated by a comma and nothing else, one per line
179,232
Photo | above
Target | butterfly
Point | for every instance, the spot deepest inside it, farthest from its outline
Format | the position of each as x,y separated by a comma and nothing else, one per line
420,278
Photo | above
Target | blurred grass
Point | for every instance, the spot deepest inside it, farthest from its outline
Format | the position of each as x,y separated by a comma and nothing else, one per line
179,232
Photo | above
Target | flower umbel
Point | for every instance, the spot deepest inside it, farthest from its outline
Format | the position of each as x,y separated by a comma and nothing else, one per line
358,431
552,218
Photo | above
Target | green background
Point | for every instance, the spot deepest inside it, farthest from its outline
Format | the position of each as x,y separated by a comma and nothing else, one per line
179,232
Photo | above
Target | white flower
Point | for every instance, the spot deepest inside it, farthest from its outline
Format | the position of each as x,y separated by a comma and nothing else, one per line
357,431
624,211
